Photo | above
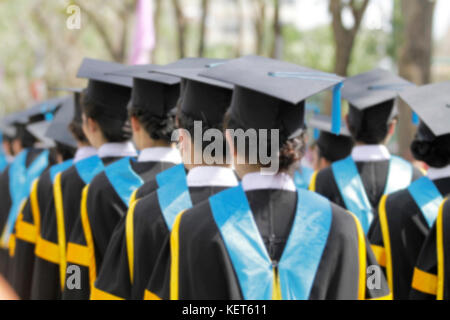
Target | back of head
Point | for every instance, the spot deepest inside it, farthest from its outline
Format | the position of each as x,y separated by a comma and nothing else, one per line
371,125
431,149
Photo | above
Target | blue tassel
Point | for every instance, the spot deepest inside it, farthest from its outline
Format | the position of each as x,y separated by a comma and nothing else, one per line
415,119
336,111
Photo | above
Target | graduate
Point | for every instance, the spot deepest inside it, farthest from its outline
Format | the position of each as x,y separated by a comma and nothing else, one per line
17,178
4,160
134,247
151,112
105,201
245,242
429,219
329,147
406,216
358,182
28,225
104,122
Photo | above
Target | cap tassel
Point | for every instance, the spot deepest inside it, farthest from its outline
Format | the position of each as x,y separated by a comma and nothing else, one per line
415,119
336,109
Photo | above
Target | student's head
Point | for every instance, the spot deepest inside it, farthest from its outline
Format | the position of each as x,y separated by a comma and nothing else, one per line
61,152
7,145
104,113
431,149
152,113
251,115
373,125
330,148
202,107
23,139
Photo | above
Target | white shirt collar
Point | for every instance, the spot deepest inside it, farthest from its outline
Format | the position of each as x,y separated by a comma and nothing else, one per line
83,153
117,149
160,154
258,181
438,173
376,152
204,176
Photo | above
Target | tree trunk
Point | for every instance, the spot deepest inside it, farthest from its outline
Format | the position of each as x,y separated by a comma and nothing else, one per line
181,26
277,37
201,46
156,19
415,59
260,20
240,29
344,38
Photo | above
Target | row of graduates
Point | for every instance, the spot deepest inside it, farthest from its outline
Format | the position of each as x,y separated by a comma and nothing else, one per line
111,224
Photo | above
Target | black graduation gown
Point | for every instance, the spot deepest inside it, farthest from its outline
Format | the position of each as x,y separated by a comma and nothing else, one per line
6,202
407,230
431,278
149,231
26,231
205,269
373,175
105,208
46,274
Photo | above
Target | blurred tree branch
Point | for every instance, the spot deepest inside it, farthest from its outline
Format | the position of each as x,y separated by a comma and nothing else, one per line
181,27
415,59
259,23
201,46
275,51
344,38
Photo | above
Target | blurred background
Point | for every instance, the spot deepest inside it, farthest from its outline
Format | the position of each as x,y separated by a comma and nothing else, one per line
42,42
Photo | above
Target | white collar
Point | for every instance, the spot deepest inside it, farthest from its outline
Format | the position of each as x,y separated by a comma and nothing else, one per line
117,149
83,153
204,176
438,173
374,152
258,181
160,154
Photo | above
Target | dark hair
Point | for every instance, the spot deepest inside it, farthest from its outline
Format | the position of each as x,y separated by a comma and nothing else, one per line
26,138
76,129
65,151
114,128
158,128
371,126
434,151
186,122
291,150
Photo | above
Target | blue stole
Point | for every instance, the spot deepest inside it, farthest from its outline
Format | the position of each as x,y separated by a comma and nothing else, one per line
3,162
60,167
123,178
88,168
302,177
301,256
352,189
173,193
427,197
20,182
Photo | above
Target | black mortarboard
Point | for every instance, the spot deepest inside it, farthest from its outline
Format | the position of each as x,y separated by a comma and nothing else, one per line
432,104
332,147
43,110
59,127
372,95
105,90
271,94
38,130
203,98
154,93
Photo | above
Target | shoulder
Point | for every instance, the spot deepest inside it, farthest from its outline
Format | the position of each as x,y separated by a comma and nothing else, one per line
147,188
146,206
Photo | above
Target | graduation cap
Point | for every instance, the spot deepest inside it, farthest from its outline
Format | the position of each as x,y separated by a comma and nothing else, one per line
42,110
107,91
202,98
7,125
58,130
332,147
271,94
38,130
153,92
372,95
432,104
77,101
